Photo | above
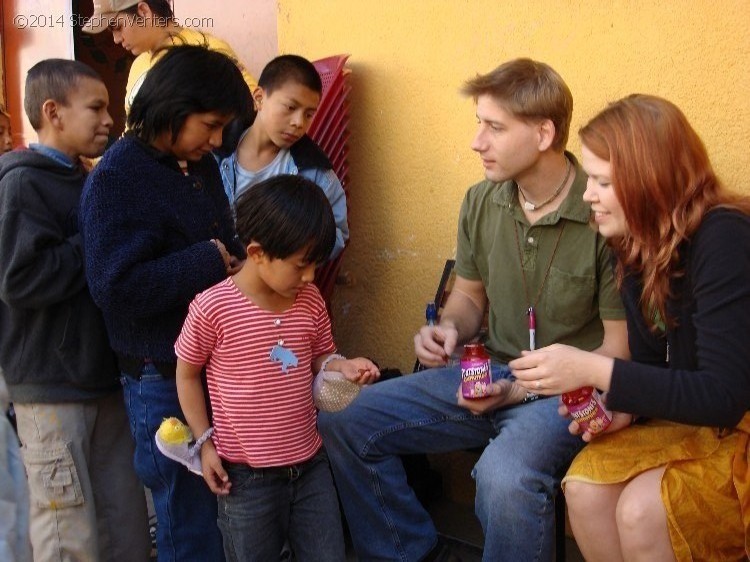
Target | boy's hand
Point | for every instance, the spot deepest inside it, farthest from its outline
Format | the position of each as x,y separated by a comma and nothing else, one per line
360,369
213,471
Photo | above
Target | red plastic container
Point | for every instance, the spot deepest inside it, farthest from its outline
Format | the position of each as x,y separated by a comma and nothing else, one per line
586,407
476,376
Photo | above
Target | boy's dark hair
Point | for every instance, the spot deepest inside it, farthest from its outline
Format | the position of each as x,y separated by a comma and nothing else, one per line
160,8
285,214
188,79
528,89
52,79
290,68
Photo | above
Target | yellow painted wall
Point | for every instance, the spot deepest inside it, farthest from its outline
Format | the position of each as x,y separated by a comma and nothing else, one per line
410,156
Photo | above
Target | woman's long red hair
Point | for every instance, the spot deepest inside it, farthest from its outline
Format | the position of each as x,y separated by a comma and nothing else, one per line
664,181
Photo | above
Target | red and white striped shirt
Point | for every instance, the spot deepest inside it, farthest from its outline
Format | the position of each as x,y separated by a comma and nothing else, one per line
262,416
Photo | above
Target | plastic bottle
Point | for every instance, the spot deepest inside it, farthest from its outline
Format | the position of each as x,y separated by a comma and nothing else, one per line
475,371
586,407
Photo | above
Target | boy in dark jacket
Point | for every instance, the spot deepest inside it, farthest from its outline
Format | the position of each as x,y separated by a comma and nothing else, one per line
86,502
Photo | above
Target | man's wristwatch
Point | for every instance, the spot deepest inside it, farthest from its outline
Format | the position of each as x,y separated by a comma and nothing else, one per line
530,397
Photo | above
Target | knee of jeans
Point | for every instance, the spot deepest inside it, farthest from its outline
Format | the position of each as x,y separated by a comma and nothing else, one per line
497,479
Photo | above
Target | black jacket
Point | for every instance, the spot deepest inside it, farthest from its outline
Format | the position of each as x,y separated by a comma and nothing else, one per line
706,380
53,343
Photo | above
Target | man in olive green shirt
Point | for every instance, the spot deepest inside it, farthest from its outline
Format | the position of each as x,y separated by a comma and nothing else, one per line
567,273
524,246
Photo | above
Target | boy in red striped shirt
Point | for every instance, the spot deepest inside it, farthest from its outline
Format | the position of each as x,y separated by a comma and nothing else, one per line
261,335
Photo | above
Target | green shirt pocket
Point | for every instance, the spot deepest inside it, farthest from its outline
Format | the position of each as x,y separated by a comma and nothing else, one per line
570,298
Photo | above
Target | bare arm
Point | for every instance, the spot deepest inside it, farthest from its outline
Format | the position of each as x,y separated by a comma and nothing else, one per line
193,404
465,308
192,398
615,342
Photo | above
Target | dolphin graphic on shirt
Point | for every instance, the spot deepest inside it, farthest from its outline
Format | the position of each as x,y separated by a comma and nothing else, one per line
285,356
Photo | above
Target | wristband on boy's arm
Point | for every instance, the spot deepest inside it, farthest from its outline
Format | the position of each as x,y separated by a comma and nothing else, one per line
196,448
330,358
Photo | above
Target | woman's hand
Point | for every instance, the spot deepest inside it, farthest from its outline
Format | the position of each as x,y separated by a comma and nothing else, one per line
620,420
560,368
224,254
235,264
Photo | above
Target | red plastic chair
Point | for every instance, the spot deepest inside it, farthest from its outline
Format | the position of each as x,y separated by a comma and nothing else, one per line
329,130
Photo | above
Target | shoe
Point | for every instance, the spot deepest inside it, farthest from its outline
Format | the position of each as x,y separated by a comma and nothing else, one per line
174,440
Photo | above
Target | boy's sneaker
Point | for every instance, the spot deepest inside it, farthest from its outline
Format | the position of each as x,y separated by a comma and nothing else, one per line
175,441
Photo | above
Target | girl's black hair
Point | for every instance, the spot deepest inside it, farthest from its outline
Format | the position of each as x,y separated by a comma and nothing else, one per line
188,79
285,214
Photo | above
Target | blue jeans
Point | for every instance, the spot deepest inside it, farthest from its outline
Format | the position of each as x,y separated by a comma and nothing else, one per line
185,507
527,449
267,505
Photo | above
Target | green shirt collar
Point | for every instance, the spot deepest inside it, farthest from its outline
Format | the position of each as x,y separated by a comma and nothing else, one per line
572,208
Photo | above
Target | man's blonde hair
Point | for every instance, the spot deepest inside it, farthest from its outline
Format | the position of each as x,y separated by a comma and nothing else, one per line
530,90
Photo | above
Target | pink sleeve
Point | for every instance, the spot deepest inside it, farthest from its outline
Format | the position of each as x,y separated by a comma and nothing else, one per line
197,338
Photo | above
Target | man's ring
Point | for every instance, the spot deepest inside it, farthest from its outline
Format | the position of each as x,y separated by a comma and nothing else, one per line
538,385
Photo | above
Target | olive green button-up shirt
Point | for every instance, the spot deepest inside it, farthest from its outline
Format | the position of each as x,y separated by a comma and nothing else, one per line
569,283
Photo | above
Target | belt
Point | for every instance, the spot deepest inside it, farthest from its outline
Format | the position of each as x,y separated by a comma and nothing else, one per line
291,472
133,366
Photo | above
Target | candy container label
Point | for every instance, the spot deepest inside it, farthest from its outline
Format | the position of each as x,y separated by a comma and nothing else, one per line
475,372
588,410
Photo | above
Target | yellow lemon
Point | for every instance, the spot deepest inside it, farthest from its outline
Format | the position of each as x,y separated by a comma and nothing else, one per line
173,431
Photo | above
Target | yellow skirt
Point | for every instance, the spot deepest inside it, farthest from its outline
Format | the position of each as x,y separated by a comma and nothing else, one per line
705,487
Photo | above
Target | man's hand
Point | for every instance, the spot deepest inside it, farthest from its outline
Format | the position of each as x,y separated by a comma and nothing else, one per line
433,345
500,393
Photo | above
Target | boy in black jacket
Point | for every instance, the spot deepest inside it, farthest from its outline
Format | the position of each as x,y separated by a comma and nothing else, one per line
86,502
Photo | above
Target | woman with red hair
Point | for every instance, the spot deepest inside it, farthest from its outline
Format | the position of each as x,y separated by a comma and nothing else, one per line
669,478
